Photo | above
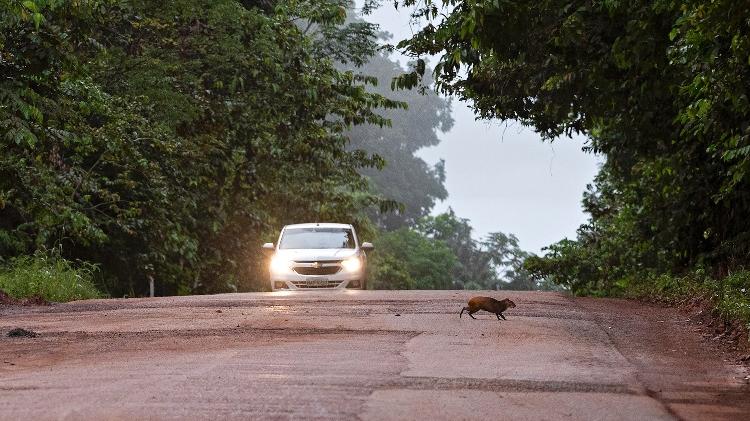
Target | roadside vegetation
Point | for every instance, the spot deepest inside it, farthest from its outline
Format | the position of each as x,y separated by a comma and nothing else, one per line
727,298
661,90
48,277
169,140
439,252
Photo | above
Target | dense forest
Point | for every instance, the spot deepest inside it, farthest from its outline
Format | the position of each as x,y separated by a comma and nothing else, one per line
166,141
660,88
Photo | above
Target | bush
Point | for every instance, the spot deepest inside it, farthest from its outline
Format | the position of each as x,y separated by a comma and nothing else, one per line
734,297
729,296
389,272
406,259
50,277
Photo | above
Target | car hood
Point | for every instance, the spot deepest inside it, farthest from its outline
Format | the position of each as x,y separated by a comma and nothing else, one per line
316,254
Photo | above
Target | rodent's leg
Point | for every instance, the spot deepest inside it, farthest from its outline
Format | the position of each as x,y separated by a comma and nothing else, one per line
472,315
501,315
498,316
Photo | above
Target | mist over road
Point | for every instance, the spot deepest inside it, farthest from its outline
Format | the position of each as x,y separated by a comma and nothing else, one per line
362,354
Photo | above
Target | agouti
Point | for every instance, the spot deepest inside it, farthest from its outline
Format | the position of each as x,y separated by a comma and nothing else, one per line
488,304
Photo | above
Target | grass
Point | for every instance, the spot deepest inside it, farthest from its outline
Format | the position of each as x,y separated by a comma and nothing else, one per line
50,277
729,297
734,301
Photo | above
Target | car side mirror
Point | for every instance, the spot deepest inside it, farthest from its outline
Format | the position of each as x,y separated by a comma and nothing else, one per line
268,247
367,247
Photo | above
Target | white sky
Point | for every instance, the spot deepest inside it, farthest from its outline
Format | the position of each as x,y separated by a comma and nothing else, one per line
503,177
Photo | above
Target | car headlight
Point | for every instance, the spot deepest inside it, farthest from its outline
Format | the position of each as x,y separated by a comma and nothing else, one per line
280,264
352,264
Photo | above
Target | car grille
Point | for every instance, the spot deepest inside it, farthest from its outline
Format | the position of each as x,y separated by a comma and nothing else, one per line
317,267
323,270
315,283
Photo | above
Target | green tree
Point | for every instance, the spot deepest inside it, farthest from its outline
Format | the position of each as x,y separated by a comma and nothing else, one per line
166,144
495,262
405,178
406,259
508,259
659,88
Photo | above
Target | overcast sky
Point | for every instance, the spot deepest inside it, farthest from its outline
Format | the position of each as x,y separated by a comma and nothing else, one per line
502,176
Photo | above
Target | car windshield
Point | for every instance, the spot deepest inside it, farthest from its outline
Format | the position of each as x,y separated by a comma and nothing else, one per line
317,238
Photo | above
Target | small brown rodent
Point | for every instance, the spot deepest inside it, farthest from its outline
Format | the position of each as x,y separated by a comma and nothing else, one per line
488,304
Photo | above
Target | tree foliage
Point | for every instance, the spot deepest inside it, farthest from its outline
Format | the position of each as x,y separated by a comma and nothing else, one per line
406,178
440,253
494,262
661,90
406,259
166,139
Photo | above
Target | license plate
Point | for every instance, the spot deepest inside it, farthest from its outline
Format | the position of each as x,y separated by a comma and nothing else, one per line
320,282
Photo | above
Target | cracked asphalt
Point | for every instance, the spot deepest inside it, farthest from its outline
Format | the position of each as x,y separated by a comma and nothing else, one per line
371,355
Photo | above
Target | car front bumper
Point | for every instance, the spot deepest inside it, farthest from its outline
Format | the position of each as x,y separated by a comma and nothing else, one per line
295,281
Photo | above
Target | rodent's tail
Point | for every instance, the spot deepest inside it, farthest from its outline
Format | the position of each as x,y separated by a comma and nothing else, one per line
462,311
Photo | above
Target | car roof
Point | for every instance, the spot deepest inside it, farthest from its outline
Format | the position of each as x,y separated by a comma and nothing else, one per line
318,225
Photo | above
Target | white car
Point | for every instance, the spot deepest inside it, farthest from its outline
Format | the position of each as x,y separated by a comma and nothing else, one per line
318,255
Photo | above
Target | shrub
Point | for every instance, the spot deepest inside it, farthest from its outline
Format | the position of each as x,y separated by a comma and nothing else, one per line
730,296
50,277
406,259
734,297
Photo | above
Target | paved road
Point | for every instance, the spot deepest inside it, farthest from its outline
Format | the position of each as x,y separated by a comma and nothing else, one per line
373,355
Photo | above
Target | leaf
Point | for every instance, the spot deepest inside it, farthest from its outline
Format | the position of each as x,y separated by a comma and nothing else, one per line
38,18
31,6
